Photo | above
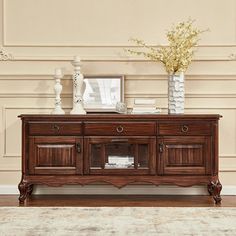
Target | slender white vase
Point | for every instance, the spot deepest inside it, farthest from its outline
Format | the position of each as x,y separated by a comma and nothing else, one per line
78,88
58,88
176,94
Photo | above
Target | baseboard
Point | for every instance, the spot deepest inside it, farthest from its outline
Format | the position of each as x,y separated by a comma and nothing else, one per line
106,189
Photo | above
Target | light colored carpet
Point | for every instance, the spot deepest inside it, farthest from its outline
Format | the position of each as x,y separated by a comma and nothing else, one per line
122,221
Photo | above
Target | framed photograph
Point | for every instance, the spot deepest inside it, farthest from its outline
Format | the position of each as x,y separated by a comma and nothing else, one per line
103,92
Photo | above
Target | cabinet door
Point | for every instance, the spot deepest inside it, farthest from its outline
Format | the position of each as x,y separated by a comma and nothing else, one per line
184,155
55,155
122,155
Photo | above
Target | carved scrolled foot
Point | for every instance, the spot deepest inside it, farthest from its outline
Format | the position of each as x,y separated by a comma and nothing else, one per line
210,188
25,189
214,188
30,189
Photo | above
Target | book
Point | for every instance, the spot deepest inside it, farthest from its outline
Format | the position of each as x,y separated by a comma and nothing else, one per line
145,110
145,106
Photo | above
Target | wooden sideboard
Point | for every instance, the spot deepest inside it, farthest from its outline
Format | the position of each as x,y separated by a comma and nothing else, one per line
120,149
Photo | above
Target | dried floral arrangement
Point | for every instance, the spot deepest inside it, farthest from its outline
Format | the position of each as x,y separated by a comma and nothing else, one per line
178,55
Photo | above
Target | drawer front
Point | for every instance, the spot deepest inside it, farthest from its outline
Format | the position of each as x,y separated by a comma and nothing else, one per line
185,129
120,128
55,128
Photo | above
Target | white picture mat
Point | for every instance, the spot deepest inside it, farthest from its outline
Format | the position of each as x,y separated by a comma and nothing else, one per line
102,93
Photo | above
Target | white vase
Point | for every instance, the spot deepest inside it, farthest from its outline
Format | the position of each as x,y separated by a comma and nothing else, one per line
176,94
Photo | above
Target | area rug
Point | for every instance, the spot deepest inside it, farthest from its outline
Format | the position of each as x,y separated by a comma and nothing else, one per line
116,221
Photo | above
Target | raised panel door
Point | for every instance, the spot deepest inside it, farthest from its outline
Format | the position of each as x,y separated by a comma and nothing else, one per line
184,155
55,155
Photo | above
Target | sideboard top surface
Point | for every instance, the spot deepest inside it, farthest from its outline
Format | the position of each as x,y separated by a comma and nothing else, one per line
119,117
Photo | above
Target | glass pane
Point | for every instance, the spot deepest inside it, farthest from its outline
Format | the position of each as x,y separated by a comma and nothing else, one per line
142,156
119,155
96,156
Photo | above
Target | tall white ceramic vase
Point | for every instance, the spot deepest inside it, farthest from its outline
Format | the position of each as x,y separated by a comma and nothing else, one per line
58,88
176,94
78,88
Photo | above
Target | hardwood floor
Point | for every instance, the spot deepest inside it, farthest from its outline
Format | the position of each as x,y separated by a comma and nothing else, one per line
117,201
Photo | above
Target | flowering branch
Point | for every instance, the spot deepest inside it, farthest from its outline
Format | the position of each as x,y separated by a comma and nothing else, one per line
178,55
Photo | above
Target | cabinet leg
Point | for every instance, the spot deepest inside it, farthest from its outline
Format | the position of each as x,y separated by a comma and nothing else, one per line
25,189
214,189
30,189
210,188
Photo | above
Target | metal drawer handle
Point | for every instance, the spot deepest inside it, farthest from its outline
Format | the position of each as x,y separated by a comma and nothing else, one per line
119,129
161,147
184,129
78,146
55,127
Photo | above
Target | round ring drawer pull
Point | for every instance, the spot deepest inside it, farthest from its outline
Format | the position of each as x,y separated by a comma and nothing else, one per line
119,129
184,129
55,127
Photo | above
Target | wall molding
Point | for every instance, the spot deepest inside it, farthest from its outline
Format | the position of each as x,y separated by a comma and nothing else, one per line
33,95
112,58
228,156
187,95
127,95
47,70
130,190
130,77
230,169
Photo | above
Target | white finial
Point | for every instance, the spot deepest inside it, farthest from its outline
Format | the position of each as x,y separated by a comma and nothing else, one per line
77,58
58,73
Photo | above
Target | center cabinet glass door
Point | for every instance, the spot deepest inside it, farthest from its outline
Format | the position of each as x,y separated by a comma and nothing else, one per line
112,155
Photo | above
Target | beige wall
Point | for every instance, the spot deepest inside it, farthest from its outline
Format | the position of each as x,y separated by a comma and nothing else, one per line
46,34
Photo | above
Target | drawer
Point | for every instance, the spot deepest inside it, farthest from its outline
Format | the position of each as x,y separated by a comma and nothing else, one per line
185,128
55,128
120,128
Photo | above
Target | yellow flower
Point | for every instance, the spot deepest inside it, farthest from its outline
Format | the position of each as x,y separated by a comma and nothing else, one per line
178,55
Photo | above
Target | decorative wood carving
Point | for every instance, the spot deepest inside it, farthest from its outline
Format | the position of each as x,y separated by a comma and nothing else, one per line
214,189
30,189
25,189
4,56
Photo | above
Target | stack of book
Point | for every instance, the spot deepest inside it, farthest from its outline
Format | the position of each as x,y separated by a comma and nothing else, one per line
145,106
120,162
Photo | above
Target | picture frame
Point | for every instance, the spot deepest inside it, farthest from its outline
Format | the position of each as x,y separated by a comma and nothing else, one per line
103,92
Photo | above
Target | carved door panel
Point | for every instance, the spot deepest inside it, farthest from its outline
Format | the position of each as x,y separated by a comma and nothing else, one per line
184,155
120,155
55,155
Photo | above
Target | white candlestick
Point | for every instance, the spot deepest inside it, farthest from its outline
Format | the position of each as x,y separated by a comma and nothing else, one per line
58,88
78,88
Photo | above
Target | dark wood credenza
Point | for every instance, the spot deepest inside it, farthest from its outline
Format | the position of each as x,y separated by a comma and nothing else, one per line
120,149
